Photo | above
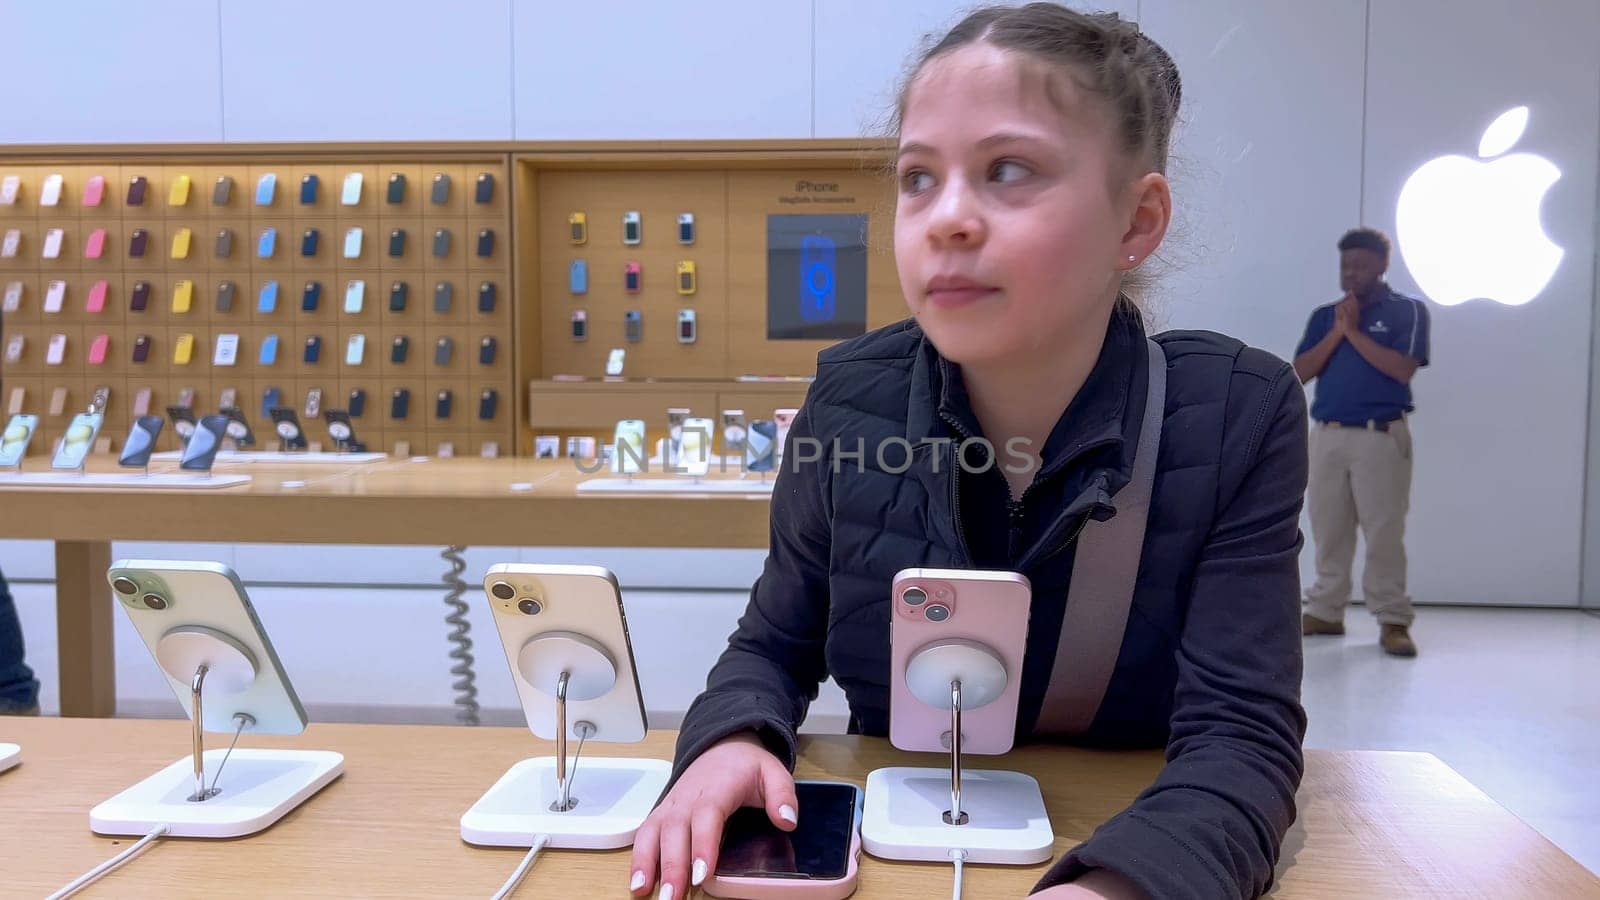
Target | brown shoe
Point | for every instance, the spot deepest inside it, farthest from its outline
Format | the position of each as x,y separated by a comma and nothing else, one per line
1310,624
1396,641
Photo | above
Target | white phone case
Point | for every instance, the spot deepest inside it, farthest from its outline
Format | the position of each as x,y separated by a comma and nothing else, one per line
54,296
355,294
579,611
208,597
352,243
351,194
14,348
227,352
52,244
8,190
56,350
13,241
50,193
631,218
356,350
13,301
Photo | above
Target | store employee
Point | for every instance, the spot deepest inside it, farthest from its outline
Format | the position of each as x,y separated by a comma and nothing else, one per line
1363,351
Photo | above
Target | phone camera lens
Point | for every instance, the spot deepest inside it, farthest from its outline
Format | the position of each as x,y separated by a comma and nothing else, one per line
529,606
938,612
502,591
124,585
914,596
155,601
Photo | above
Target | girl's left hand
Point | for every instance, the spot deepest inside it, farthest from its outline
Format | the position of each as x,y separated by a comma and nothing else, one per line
1098,884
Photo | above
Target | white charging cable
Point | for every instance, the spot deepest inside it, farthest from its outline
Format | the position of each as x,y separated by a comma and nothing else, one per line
105,868
959,857
539,842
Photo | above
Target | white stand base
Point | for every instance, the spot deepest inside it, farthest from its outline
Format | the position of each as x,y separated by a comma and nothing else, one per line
258,788
614,796
164,481
904,817
275,457
680,484
10,755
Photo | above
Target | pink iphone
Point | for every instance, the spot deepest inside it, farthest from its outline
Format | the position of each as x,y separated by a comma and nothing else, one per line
933,607
816,861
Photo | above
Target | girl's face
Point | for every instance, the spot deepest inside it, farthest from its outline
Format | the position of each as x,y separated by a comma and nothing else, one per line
1009,233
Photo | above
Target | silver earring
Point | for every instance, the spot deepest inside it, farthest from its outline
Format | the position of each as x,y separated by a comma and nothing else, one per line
1130,259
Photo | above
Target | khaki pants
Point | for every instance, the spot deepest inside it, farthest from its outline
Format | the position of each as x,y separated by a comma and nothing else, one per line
1360,477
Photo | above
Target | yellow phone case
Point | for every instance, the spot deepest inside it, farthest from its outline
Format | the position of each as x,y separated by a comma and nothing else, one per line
183,350
579,227
182,297
180,243
180,191
687,281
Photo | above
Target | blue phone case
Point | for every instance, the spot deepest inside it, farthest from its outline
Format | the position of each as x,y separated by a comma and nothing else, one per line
311,297
578,277
486,297
400,404
358,403
308,243
268,243
268,301
486,350
313,349
485,243
270,398
443,294
265,189
397,242
398,295
308,189
487,402
269,350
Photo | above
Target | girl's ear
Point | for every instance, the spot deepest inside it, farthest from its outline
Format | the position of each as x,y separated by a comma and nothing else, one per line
1148,217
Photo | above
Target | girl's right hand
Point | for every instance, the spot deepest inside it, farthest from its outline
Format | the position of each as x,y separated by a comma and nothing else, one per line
681,837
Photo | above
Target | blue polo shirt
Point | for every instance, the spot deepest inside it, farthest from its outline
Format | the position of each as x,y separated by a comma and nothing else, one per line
1350,389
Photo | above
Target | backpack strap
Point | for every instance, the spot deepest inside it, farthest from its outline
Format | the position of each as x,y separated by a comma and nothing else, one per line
1104,571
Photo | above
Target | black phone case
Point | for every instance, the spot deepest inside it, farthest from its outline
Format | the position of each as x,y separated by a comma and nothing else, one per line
399,403
398,350
397,189
225,243
487,401
484,192
358,403
444,294
397,242
486,297
441,189
225,293
222,193
441,405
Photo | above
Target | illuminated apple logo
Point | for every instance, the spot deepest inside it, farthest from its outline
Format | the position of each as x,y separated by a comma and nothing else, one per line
1470,229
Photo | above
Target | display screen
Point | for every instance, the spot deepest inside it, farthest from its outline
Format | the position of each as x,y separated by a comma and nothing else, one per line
816,276
818,849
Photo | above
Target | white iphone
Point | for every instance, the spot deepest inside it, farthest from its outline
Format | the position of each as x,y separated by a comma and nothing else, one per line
175,606
695,455
568,619
628,456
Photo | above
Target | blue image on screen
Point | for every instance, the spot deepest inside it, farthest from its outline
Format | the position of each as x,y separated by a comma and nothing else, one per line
817,300
816,276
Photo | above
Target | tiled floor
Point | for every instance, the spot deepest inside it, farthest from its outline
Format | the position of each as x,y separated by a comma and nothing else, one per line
1508,698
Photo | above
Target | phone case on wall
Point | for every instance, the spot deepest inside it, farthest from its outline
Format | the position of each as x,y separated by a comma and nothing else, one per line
53,239
578,277
269,351
183,350
13,297
539,606
578,228
163,597
399,292
15,347
632,276
486,297
311,297
687,280
50,193
271,399
688,330
485,243
180,243
224,248
443,295
686,228
350,194
441,190
313,349
141,348
139,300
14,440
11,244
483,192
98,346
441,243
141,442
397,243
442,404
95,246
266,189
580,325
358,403
138,242
308,189
486,351
934,607
398,350
96,301
225,294
488,401
355,296
443,349
632,326
9,187
632,227
355,349
399,403
352,243
267,244
226,352
178,194
222,191
314,403
55,296
309,242
55,352
182,296
396,192
78,441
137,186
267,301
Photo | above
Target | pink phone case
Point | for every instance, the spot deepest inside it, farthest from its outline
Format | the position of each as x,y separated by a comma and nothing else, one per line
786,888
95,246
97,350
989,608
93,190
97,297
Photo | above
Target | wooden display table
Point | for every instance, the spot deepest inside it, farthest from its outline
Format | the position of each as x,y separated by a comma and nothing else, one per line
1371,824
500,502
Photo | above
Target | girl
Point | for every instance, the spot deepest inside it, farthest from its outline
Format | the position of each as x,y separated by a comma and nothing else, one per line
1032,146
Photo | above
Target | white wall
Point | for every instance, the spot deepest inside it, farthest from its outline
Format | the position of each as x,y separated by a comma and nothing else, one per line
1300,120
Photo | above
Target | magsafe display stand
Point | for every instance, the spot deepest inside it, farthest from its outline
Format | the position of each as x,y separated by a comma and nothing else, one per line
929,813
10,755
566,640
198,623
